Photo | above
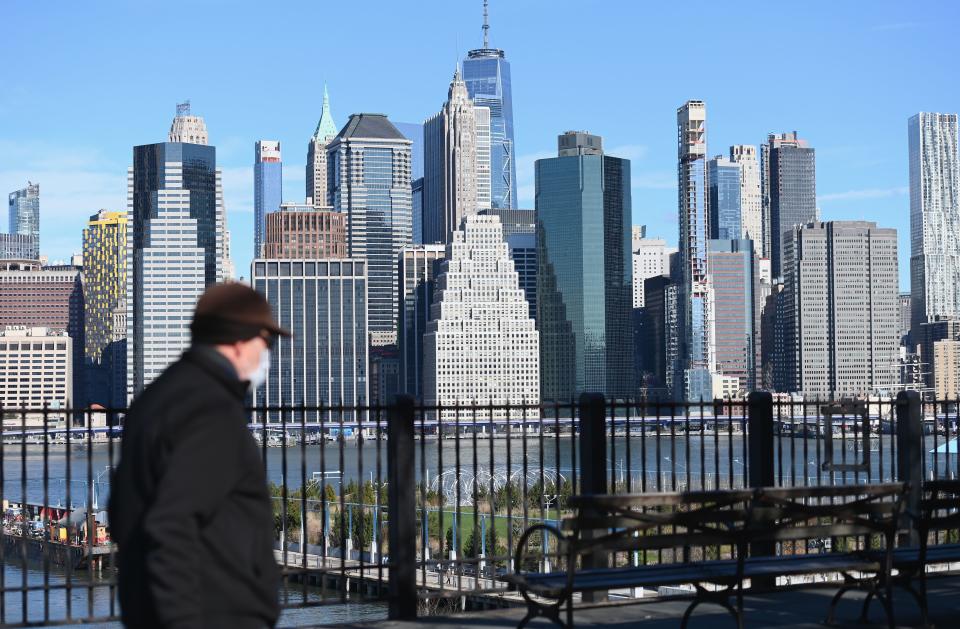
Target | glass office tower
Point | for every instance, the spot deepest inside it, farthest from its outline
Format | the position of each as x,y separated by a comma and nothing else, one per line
487,75
24,217
584,279
368,178
723,198
175,237
323,304
267,188
790,189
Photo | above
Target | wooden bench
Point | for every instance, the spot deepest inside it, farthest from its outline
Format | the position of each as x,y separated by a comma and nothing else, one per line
938,516
704,539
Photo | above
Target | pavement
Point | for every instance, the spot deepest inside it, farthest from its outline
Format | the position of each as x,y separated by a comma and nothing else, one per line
800,607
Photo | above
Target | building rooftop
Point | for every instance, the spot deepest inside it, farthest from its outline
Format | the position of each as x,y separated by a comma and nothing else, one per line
373,126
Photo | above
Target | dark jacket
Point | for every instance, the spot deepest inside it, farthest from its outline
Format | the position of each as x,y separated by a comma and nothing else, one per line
189,506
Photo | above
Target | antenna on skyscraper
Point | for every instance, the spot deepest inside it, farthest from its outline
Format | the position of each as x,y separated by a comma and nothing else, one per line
486,26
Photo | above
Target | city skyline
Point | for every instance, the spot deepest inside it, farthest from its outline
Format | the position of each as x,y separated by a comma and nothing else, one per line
862,168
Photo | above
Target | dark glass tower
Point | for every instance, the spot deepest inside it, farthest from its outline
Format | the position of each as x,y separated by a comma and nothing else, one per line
584,283
790,186
487,75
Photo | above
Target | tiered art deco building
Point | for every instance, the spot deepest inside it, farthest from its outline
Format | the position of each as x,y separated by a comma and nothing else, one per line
481,346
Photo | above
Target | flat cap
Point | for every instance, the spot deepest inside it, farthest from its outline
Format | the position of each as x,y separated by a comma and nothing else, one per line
231,312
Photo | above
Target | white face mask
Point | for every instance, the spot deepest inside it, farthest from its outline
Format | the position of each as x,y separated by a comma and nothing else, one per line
259,375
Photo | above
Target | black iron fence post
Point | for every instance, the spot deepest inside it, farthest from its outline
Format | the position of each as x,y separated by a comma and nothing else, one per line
401,501
910,455
593,470
760,460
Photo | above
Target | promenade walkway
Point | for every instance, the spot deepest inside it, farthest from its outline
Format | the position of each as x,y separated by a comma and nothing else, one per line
801,607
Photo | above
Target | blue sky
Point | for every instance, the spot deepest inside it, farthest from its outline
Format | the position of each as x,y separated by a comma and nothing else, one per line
84,82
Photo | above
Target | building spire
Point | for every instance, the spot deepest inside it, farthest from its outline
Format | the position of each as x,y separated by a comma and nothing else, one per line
325,127
486,26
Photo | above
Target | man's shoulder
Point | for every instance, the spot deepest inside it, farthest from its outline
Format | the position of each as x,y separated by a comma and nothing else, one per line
183,386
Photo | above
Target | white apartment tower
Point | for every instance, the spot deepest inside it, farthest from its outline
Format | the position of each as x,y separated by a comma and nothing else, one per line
176,245
481,346
651,258
751,201
934,217
696,298
456,176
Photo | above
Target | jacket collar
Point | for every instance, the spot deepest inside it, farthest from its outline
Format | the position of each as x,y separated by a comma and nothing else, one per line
215,364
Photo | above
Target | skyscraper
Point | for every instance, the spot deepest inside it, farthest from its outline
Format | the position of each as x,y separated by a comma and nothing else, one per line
267,188
324,305
416,201
658,351
519,230
104,291
418,265
50,297
733,270
413,131
481,346
839,314
452,163
317,155
696,308
934,217
651,258
723,198
24,216
584,261
175,237
37,373
486,73
304,232
18,247
789,189
187,128
927,335
369,169
751,201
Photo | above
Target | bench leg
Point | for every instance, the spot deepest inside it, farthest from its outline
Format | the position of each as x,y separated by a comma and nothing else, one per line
866,607
887,600
836,599
550,613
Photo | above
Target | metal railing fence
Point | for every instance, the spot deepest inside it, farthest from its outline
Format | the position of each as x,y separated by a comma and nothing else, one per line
437,496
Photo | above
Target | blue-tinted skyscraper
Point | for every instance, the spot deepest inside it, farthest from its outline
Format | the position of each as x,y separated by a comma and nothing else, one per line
487,75
24,215
723,198
267,188
368,167
584,283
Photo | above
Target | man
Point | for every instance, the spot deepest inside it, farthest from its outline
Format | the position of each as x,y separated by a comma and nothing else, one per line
189,507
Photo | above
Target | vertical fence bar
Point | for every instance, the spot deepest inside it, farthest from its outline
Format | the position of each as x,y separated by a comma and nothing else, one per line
593,478
402,507
910,454
760,463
